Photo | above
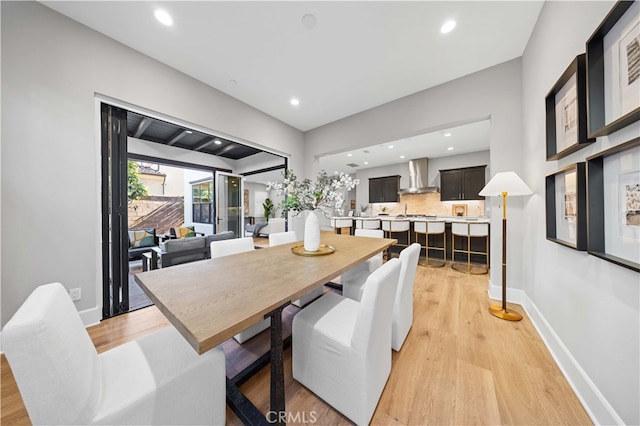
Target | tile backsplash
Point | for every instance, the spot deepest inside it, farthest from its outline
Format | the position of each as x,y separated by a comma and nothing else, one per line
429,204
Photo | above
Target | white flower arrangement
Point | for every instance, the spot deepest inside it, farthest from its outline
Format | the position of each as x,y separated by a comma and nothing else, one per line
325,194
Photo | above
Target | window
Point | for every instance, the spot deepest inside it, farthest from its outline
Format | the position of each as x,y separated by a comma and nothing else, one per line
202,196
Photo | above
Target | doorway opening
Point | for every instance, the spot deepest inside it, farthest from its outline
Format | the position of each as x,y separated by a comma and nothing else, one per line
202,161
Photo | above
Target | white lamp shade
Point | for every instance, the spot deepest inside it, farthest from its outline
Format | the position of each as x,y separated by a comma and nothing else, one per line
508,182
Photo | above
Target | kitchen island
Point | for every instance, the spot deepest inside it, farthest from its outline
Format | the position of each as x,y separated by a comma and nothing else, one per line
477,244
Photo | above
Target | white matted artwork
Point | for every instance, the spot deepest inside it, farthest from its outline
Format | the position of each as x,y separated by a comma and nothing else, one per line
621,175
566,206
632,203
622,65
567,115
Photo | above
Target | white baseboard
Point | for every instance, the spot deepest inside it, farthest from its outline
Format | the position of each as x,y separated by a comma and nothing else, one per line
91,316
595,404
513,295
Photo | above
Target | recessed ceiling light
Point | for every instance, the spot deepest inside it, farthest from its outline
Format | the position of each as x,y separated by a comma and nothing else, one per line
189,132
450,148
336,172
402,156
309,21
217,142
366,162
448,26
446,135
349,155
295,102
390,146
163,17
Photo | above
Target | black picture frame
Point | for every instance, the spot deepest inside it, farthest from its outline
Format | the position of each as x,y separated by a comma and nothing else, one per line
595,63
578,69
596,200
577,213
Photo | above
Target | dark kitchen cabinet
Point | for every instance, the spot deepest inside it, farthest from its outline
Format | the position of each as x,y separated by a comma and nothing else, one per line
384,189
462,184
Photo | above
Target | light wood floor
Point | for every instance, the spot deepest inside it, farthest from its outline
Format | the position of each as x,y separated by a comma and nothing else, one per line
459,365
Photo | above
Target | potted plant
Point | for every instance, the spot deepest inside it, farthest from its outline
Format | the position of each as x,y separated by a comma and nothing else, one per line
363,209
326,194
383,210
268,208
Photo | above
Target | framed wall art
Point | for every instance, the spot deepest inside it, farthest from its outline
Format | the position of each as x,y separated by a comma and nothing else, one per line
459,210
613,182
566,106
566,206
613,71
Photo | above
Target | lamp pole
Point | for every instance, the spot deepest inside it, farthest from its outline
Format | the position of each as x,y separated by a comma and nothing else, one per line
501,311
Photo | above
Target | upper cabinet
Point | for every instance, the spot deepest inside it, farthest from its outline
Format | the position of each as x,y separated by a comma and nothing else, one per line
384,189
462,184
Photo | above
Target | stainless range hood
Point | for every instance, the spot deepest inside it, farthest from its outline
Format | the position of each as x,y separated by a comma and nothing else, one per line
419,178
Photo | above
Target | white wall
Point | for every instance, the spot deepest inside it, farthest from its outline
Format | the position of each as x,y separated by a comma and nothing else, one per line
586,309
494,93
257,195
52,69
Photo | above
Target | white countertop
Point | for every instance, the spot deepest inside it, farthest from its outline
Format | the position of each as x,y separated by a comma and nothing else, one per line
447,219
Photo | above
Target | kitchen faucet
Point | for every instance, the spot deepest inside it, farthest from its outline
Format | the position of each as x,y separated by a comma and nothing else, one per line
405,209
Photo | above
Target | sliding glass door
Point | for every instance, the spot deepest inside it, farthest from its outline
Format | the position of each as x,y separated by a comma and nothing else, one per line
229,203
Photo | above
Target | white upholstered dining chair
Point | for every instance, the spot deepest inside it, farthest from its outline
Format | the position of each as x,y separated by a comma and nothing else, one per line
403,304
353,279
156,379
290,237
227,248
342,348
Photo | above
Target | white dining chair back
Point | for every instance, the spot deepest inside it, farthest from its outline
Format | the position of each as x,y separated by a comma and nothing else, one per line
279,238
62,379
403,305
353,280
235,246
376,311
342,348
232,246
290,237
374,233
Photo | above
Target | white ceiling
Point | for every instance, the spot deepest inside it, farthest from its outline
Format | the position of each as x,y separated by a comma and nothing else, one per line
462,139
358,56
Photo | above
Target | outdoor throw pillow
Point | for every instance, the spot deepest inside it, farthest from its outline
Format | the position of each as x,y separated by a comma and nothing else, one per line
185,231
142,237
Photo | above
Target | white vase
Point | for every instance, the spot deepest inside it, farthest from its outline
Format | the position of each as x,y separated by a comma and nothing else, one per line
311,232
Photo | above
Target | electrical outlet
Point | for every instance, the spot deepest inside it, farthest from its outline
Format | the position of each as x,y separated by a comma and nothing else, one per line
75,293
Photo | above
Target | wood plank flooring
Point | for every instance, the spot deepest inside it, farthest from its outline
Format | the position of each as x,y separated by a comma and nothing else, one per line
459,365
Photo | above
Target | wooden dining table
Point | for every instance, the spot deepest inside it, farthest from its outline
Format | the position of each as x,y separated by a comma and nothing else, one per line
210,301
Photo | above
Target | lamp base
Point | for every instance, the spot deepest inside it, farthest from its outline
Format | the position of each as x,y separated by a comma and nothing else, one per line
497,311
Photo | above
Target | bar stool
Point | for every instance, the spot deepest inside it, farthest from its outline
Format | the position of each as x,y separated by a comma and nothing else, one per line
469,230
427,228
342,222
367,223
394,226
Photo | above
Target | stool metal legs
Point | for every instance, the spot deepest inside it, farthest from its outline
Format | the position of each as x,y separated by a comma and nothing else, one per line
468,267
433,263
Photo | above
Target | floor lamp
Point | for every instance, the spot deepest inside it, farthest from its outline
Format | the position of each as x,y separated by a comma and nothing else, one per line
503,184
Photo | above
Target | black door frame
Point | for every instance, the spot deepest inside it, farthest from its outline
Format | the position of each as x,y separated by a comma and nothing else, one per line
114,158
115,238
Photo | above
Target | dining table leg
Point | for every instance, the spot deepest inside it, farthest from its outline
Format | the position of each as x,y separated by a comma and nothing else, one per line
277,407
